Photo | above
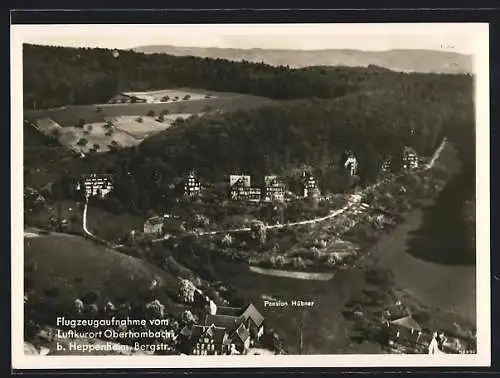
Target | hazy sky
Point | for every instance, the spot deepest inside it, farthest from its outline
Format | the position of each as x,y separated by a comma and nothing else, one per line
452,37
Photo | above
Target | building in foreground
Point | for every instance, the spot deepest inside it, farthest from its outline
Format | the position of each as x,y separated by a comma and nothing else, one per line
207,340
406,336
225,330
95,185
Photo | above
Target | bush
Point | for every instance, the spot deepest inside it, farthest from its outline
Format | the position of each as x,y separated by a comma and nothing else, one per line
82,142
151,113
138,120
90,297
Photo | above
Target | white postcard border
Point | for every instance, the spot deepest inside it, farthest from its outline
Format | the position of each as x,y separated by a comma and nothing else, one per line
483,356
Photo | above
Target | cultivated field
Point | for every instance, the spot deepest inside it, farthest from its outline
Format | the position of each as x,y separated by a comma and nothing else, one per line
91,136
168,95
124,131
70,115
148,125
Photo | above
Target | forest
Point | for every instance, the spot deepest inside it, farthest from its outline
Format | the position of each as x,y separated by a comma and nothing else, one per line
373,112
61,76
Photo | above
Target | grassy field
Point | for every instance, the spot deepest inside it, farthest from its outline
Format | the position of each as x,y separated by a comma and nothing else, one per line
112,227
38,147
178,94
68,267
66,209
102,223
147,127
448,287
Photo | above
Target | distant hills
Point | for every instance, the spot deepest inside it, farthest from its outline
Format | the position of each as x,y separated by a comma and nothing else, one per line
398,60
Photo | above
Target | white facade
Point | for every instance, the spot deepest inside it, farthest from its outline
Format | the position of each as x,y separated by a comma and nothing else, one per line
243,179
95,185
351,164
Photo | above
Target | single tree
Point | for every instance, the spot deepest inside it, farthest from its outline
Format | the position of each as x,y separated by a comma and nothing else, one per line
187,317
258,232
82,142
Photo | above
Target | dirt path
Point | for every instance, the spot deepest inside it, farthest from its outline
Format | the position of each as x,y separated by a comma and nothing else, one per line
291,274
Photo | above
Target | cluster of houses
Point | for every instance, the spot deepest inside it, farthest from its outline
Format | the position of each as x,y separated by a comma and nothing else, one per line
223,331
95,185
240,187
407,336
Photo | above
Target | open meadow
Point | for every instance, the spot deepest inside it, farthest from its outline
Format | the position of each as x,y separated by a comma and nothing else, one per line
169,95
148,125
70,115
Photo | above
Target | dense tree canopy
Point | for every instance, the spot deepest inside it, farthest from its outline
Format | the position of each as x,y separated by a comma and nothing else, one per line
56,76
279,139
59,76
371,111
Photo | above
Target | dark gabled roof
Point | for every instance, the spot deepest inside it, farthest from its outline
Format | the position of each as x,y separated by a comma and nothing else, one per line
197,331
186,331
396,312
241,333
232,311
216,333
252,313
229,323
155,220
409,150
272,181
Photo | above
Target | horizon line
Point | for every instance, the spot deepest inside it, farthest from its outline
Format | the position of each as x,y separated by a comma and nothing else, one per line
247,48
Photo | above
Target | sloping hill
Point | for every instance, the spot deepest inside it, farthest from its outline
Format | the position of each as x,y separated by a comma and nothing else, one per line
60,268
398,60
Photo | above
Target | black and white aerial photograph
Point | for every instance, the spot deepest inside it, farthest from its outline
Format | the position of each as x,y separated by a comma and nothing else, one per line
274,192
